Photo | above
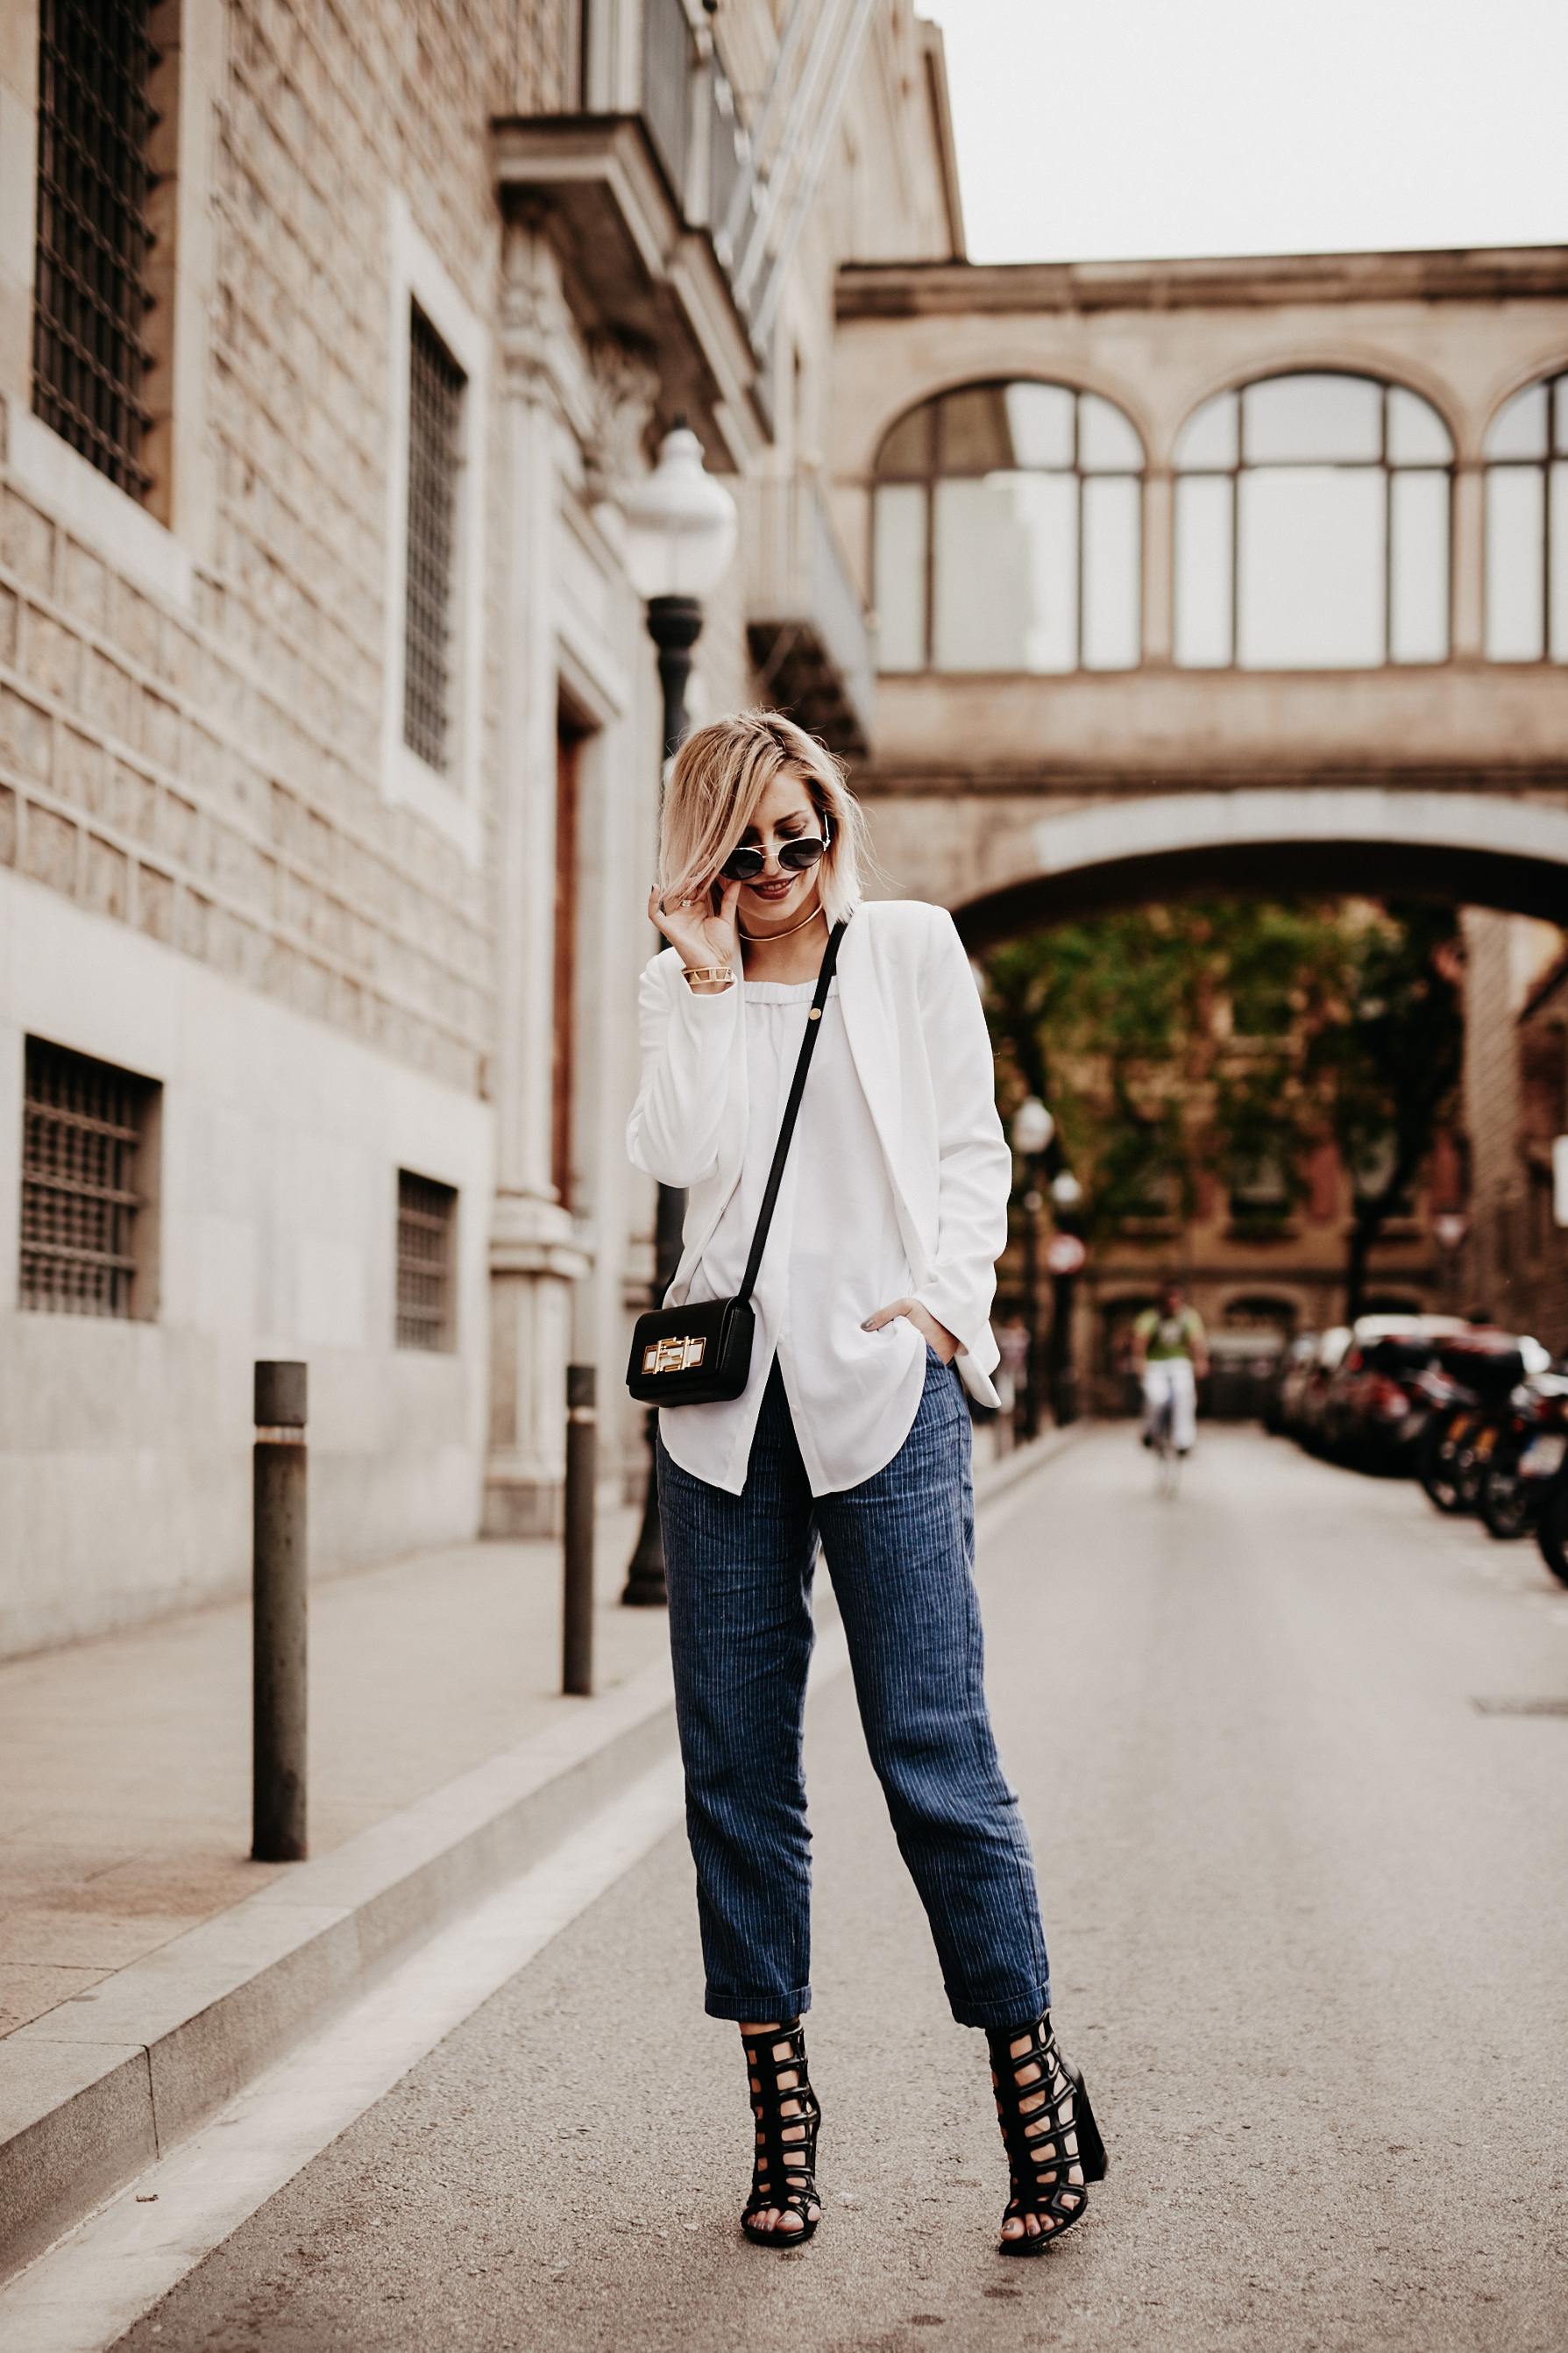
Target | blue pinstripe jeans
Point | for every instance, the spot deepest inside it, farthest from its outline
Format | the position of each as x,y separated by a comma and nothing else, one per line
739,1569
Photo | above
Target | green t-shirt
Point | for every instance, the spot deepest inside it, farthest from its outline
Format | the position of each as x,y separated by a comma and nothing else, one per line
1169,1335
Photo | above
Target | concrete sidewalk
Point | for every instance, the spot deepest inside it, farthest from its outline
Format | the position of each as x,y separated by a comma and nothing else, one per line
150,1969
125,1763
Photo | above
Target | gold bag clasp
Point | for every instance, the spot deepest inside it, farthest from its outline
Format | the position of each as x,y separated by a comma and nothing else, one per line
676,1355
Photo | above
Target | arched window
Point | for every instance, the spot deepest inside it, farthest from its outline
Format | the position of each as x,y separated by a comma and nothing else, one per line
1527,526
1007,533
1312,527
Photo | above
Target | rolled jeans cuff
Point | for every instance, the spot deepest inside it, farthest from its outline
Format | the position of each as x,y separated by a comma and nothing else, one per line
723,2002
995,2017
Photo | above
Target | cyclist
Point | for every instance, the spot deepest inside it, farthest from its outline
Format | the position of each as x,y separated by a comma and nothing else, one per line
1170,1356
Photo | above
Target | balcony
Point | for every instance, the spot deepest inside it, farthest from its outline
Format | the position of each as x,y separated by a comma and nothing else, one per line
810,642
677,212
628,183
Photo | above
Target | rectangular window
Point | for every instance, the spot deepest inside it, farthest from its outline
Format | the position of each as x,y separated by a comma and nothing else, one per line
1006,573
1311,549
1418,568
85,1137
435,385
1112,572
426,1223
1516,549
899,569
90,295
1204,570
1259,1195
1557,550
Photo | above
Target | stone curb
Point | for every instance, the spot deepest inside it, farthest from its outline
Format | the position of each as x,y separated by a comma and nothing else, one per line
101,2086
97,2089
994,1479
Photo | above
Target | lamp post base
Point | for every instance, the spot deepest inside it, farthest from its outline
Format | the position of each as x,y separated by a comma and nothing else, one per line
645,1587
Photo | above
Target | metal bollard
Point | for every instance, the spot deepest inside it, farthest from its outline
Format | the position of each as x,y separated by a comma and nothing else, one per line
278,1563
582,1470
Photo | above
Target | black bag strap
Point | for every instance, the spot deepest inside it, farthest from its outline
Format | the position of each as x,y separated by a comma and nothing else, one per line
792,1109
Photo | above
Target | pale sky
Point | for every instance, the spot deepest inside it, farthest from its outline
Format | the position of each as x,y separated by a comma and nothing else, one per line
1093,130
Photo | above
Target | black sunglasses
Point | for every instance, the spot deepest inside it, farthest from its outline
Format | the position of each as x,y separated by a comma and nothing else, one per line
744,865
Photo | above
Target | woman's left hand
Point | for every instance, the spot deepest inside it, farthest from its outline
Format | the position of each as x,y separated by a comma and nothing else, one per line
924,1321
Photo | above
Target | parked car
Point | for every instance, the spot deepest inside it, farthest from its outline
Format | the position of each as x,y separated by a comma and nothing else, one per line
1242,1373
1317,1373
1285,1388
1373,1413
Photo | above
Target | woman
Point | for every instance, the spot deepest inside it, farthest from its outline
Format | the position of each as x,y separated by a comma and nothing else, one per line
871,1306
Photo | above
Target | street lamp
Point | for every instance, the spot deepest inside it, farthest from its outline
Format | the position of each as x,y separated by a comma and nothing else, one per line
1065,1257
1033,1128
680,537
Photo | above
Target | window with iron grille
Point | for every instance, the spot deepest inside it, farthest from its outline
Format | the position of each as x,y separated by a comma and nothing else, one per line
435,454
90,296
427,1221
83,1191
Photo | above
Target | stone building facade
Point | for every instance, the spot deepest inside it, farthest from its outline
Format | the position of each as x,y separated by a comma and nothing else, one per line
329,731
329,727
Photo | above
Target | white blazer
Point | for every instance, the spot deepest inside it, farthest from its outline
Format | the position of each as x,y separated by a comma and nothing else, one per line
923,1055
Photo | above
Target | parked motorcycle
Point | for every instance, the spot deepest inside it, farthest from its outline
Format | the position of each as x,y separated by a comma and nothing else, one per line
1454,1416
1551,1516
1530,1443
1461,1393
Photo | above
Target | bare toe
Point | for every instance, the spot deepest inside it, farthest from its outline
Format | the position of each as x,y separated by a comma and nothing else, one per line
786,2114
1037,2106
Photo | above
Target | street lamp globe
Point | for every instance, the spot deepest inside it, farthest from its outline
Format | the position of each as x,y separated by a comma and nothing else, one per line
1066,1190
680,523
1033,1128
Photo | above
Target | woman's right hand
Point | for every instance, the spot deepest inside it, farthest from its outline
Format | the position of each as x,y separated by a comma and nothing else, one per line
691,925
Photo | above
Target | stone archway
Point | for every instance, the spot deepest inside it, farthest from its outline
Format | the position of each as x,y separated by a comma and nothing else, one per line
1045,863
1491,849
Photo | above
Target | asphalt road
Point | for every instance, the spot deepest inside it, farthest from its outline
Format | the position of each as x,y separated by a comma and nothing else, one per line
1307,1912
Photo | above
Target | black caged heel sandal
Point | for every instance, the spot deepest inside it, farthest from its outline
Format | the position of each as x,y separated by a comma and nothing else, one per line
784,2168
1054,2148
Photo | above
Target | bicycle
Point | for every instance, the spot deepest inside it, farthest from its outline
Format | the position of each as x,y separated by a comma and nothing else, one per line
1163,1442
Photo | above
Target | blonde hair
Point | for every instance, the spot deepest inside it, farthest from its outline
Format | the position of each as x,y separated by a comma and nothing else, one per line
721,772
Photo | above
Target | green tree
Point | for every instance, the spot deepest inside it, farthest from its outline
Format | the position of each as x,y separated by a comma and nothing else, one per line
1391,1062
1234,1037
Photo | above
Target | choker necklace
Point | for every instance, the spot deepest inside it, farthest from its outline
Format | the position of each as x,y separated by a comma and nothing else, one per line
759,939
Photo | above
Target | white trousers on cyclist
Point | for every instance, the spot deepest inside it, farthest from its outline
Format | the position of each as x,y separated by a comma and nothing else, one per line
1171,1377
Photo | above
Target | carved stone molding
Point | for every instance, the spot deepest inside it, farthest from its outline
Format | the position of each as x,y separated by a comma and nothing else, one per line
624,392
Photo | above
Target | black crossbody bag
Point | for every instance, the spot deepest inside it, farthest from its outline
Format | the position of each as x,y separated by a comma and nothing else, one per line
701,1355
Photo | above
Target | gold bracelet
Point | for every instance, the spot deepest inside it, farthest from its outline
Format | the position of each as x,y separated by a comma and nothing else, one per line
712,973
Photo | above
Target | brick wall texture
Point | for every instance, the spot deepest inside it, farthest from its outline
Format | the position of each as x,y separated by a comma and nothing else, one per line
213,778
